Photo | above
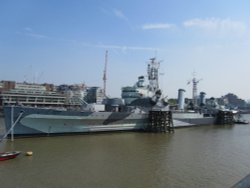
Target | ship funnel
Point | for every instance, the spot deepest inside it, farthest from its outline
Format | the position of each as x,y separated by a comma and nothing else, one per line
181,99
202,98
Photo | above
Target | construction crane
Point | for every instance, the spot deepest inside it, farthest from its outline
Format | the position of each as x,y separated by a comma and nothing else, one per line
105,73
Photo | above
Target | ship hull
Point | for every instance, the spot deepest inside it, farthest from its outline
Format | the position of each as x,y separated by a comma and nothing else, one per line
38,121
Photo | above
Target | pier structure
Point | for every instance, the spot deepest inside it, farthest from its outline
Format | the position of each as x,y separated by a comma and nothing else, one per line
160,121
225,118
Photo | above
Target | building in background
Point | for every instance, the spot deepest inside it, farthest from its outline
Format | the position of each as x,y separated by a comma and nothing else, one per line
94,95
48,95
29,94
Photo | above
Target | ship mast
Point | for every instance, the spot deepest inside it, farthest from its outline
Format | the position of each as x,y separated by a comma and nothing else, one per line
153,68
195,83
105,73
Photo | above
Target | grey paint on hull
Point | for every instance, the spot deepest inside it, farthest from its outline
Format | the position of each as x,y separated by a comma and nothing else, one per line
49,121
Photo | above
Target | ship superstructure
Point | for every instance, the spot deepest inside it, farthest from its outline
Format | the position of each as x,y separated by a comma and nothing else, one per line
142,89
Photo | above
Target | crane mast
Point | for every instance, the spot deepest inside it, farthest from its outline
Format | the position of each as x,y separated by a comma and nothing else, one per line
105,73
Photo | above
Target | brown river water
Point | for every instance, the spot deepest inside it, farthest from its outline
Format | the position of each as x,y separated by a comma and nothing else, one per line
205,156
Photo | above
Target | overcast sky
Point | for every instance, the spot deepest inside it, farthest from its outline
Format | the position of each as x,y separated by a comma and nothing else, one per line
64,42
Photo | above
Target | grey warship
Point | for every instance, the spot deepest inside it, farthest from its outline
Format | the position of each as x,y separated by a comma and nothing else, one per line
129,113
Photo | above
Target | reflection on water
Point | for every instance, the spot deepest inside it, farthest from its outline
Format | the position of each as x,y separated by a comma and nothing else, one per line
208,156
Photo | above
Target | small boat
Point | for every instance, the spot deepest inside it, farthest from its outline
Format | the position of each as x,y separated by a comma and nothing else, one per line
9,155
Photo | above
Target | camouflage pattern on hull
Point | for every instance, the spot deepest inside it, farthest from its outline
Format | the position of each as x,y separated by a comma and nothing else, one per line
51,121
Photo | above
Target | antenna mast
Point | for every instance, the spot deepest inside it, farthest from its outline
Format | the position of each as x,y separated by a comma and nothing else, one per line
153,75
105,73
195,83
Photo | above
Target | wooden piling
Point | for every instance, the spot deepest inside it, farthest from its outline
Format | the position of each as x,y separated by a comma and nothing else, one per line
160,121
225,118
